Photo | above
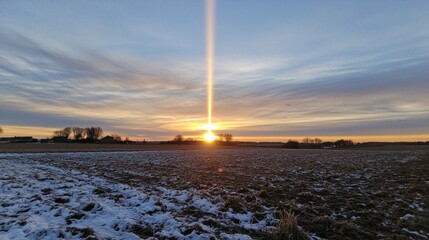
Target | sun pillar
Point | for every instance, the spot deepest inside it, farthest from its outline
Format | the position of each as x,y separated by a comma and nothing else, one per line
210,35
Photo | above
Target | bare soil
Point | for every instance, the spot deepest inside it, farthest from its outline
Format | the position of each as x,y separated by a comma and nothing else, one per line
79,147
357,194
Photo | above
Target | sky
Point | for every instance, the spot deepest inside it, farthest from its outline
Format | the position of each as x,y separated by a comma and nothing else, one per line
283,69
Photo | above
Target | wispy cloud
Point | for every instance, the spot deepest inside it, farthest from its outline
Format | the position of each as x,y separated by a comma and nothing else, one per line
49,87
44,83
340,103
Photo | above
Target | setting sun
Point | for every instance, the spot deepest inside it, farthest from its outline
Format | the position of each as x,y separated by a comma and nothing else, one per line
209,137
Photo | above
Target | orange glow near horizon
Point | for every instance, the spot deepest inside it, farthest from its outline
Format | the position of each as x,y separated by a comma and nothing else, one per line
46,132
209,136
209,127
210,25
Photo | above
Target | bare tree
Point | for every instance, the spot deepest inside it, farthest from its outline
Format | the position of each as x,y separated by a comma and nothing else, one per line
178,138
1,130
67,131
78,133
225,137
344,143
116,137
93,133
308,140
63,133
228,137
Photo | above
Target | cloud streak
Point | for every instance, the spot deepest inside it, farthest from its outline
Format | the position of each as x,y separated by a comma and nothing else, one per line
48,86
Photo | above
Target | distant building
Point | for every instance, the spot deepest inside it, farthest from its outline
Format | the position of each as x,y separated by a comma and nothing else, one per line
107,139
60,139
328,145
6,140
46,140
18,140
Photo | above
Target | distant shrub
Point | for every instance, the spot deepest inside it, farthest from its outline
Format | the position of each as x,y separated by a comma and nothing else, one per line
291,144
344,143
178,139
225,137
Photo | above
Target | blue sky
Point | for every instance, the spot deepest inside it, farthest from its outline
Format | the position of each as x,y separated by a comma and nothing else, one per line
283,69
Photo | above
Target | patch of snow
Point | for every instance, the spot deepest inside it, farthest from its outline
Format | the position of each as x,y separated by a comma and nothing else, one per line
415,233
407,216
204,205
400,200
407,159
416,206
235,236
314,237
335,216
42,201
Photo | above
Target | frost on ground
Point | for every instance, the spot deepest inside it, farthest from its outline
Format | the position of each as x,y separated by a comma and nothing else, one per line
40,201
183,195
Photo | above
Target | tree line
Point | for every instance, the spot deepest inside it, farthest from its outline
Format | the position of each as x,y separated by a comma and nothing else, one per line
318,143
78,134
89,134
221,138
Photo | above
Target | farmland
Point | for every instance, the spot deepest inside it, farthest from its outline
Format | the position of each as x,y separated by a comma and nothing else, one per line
215,194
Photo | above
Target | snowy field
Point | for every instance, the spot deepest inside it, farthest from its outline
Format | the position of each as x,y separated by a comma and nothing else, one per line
215,194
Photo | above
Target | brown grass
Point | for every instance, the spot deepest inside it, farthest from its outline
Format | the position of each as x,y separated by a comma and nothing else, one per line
288,227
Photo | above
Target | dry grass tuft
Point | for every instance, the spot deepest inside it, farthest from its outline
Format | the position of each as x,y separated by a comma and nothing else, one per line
142,230
235,203
288,227
323,225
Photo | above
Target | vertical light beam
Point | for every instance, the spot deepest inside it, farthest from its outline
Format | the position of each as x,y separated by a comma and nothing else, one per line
210,35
